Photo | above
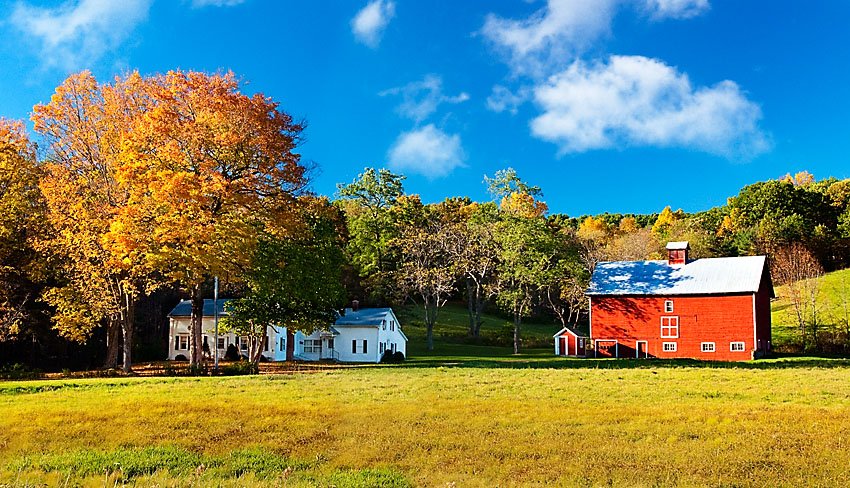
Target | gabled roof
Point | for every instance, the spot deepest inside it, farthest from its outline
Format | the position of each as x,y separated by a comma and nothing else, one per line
363,316
698,277
570,331
675,245
184,308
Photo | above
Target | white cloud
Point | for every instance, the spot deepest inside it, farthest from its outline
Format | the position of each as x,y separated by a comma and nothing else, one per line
421,98
369,23
215,3
427,151
503,99
79,32
676,9
637,101
564,29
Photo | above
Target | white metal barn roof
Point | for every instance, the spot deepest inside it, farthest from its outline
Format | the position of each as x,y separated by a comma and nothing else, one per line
697,277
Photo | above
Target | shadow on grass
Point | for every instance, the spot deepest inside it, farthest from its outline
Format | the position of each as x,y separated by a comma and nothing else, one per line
784,362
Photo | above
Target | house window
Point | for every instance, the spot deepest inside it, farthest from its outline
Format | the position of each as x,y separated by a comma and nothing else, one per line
392,324
312,345
384,323
331,343
282,344
707,347
736,346
354,346
670,327
380,348
668,306
221,344
364,346
266,343
243,343
393,347
669,347
181,343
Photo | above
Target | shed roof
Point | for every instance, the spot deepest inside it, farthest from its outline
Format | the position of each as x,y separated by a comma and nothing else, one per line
184,308
698,277
570,331
677,245
363,316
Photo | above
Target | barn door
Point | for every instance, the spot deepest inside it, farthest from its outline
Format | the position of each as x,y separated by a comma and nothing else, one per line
562,346
641,352
580,348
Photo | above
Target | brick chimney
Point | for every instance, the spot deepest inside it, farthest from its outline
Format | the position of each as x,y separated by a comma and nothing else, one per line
355,304
677,252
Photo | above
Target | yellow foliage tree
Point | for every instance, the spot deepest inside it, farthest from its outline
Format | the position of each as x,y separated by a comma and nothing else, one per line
666,219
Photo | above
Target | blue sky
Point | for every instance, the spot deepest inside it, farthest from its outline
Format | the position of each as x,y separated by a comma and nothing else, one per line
608,105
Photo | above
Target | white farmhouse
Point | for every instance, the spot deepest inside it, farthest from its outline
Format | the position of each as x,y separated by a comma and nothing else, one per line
358,335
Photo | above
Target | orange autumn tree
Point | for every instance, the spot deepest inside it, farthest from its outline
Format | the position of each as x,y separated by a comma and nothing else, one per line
21,220
84,125
208,170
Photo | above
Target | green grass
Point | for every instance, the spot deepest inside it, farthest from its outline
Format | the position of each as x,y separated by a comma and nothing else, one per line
514,421
835,290
452,327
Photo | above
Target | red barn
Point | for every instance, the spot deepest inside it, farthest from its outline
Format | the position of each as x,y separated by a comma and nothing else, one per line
714,308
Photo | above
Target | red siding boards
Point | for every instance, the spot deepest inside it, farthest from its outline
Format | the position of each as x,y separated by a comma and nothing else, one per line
721,319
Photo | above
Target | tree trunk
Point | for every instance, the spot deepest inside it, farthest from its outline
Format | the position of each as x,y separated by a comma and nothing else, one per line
127,330
471,299
517,320
430,319
196,353
113,334
479,308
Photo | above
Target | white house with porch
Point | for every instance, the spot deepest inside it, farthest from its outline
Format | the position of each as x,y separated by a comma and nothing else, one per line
358,335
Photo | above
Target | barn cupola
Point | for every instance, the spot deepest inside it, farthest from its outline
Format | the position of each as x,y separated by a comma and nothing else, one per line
677,252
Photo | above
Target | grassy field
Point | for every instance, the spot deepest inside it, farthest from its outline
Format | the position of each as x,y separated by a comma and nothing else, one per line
461,415
530,420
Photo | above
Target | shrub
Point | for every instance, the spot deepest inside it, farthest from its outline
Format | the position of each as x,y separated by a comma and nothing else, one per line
390,357
232,353
18,371
180,357
240,368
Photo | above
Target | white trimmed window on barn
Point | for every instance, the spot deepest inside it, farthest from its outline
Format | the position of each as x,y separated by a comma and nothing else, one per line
707,347
736,346
669,347
668,306
670,327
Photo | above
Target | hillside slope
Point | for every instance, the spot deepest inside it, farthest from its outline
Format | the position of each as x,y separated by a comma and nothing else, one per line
833,311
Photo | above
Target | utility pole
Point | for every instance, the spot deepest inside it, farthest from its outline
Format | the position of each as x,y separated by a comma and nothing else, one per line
215,307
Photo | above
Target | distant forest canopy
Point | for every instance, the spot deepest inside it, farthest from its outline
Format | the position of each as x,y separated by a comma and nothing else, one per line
146,188
761,218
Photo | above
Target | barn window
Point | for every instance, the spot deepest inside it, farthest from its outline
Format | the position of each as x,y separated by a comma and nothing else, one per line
736,346
670,327
668,306
707,347
669,347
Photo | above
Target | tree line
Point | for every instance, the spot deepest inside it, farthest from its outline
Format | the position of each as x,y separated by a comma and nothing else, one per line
149,184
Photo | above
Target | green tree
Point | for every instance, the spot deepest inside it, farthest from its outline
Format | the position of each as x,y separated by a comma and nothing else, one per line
426,268
367,202
292,281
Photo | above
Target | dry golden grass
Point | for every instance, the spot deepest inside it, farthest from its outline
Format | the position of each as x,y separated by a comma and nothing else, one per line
660,424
